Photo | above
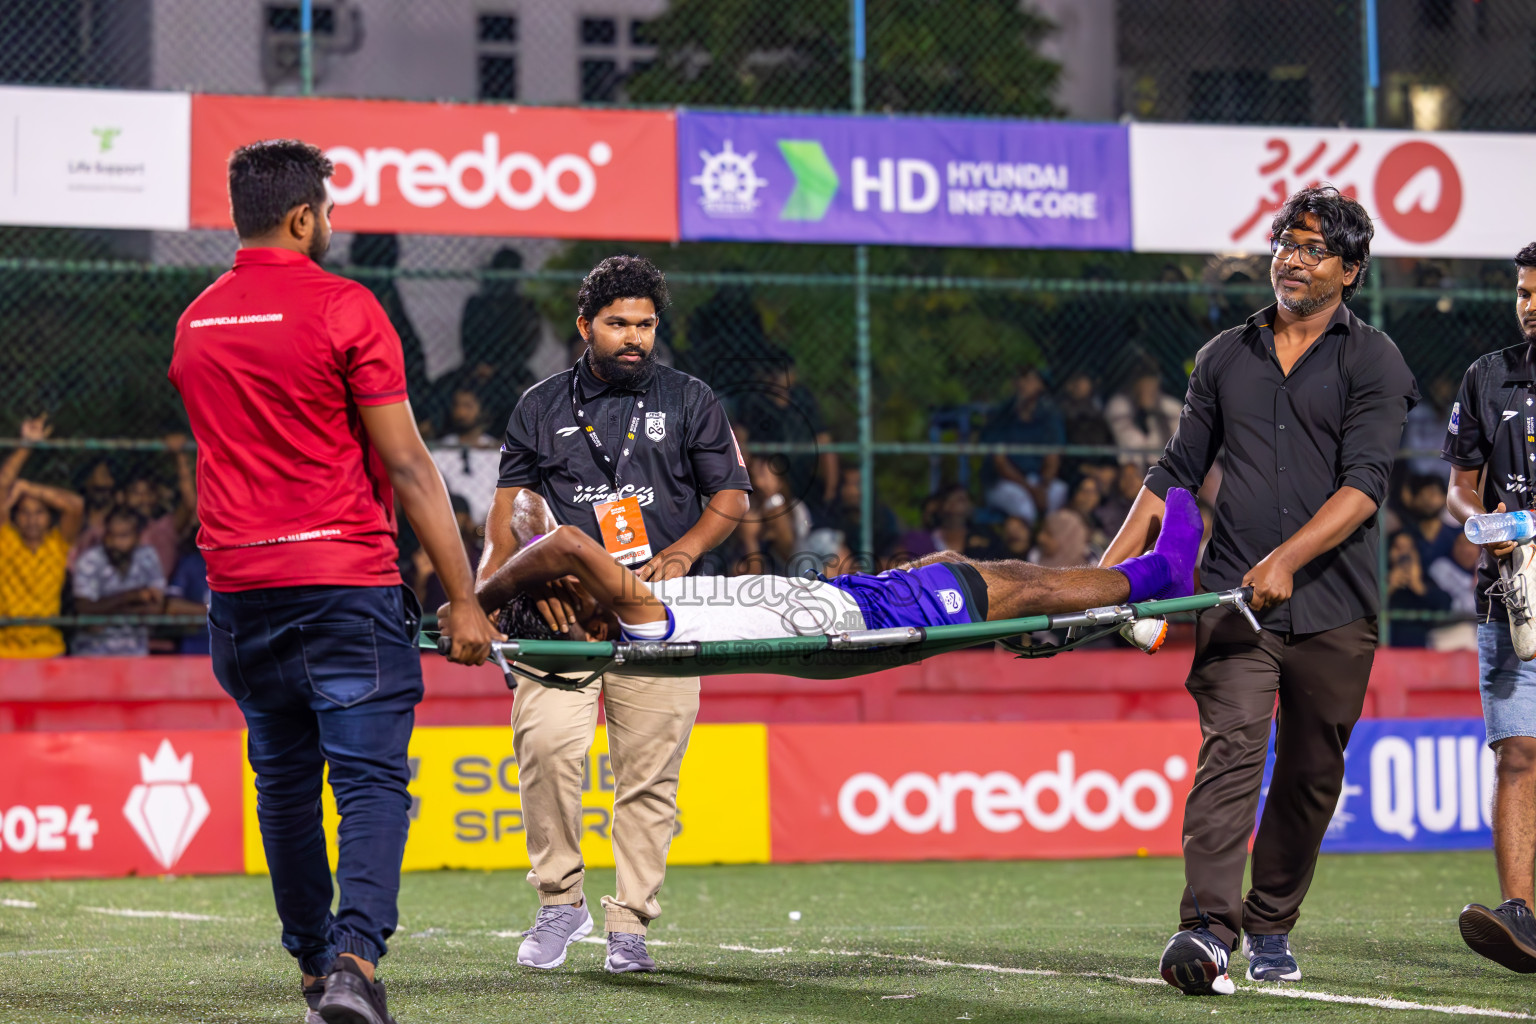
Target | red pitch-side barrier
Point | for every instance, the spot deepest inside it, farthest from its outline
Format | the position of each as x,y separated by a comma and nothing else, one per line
71,694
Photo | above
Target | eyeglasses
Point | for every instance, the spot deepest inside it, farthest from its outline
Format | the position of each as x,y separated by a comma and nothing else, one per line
1311,255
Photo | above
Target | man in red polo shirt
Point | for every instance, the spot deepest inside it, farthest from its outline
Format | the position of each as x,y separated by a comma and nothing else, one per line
294,383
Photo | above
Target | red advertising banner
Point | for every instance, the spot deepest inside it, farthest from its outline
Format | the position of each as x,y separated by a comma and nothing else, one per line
930,791
446,169
99,804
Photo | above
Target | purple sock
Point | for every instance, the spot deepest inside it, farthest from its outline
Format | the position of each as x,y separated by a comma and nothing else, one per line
1168,570
1148,575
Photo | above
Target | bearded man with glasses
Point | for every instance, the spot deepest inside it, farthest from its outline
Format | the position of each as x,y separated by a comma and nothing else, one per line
1310,403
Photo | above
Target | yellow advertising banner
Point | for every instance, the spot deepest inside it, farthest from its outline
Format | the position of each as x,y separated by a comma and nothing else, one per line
467,812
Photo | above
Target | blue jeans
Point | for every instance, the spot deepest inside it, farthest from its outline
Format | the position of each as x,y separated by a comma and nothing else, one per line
1508,684
326,676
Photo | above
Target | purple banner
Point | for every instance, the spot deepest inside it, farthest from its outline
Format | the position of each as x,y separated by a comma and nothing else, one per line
907,181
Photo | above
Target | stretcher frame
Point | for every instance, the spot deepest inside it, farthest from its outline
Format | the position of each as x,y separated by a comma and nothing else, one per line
575,664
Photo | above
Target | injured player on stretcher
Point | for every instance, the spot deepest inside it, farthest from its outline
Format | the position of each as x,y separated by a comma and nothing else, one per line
562,585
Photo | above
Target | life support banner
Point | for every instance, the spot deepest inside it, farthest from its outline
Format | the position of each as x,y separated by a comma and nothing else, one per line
928,791
457,169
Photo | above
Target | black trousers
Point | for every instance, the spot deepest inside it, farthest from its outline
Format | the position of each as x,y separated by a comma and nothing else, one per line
1319,680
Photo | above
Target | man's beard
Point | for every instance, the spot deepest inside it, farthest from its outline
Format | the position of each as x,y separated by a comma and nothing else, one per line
1528,331
612,370
120,560
1307,304
319,246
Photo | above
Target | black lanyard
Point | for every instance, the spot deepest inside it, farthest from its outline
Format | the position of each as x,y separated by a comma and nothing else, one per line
600,453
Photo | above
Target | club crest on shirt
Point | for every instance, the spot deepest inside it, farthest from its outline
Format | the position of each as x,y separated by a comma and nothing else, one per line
951,600
1454,427
656,426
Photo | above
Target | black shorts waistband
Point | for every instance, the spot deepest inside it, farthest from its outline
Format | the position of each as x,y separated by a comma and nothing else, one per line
972,586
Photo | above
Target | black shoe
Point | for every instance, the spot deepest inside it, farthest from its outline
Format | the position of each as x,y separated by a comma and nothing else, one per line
1195,963
350,998
312,993
1506,934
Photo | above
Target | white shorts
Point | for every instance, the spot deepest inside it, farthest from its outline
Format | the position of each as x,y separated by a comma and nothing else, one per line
754,608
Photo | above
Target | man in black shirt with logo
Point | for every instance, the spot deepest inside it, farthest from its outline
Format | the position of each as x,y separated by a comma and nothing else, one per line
1309,403
1490,443
640,457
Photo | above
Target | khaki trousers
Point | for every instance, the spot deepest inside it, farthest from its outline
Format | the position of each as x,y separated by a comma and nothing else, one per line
649,720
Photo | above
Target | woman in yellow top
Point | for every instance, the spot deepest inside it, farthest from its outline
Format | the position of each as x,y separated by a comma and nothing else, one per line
40,523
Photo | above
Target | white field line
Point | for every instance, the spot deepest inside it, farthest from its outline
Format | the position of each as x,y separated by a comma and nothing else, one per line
1376,1002
47,952
1286,993
174,915
19,904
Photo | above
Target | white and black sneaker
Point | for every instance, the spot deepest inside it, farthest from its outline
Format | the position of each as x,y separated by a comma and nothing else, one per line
1270,958
1195,963
1516,588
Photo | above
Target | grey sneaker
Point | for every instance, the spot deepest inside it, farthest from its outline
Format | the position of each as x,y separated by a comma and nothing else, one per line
312,994
1270,958
626,953
553,931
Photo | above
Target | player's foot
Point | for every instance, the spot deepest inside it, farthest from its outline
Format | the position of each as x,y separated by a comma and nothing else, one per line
312,993
1168,570
1179,541
553,931
1517,588
350,998
1270,958
1506,934
1195,963
626,953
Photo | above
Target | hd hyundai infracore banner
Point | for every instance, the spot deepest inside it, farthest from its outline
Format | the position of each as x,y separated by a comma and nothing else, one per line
903,181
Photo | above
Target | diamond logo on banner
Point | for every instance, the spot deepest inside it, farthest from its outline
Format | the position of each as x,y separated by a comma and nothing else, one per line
167,808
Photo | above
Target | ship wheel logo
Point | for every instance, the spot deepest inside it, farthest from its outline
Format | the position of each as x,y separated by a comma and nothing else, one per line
728,182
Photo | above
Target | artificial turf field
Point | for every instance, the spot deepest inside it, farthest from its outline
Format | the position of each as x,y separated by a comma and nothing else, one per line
1018,941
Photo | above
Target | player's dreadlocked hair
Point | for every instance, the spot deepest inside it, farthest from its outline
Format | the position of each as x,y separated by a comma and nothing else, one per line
520,620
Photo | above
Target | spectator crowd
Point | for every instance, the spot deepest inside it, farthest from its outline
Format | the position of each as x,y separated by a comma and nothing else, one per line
84,566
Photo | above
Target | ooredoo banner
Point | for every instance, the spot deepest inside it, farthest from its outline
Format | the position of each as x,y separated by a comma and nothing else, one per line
1216,188
94,158
94,804
903,181
438,168
998,791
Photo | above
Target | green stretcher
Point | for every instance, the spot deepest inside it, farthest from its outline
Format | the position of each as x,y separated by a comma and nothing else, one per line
574,664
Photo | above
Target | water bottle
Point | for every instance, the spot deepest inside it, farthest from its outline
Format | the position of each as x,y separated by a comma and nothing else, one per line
1497,527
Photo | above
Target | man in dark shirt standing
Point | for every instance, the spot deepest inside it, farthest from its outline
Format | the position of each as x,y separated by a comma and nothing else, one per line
1489,444
641,457
1309,403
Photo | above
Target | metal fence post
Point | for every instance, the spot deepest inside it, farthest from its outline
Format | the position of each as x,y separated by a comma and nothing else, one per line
1370,79
866,548
307,47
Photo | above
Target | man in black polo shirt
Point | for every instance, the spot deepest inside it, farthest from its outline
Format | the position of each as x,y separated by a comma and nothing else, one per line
641,457
1490,443
1309,403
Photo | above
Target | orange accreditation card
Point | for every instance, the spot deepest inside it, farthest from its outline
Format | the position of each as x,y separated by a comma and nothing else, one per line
623,529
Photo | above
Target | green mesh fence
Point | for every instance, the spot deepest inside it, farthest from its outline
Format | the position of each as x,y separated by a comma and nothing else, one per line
86,317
